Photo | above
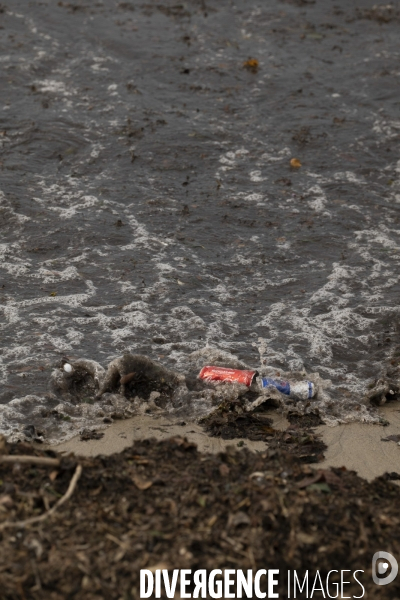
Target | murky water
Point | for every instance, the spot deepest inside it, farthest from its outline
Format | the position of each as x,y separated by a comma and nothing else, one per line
147,202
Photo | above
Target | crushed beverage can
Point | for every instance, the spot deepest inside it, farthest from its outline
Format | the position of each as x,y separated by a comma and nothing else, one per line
304,390
210,373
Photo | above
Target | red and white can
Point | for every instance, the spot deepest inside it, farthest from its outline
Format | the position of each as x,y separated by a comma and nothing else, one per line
209,373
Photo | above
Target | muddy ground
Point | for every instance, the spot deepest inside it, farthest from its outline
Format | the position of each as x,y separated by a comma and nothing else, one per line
164,505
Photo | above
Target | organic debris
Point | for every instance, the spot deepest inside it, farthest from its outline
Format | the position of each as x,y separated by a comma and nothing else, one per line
230,421
307,420
384,13
90,434
76,380
295,163
251,65
384,389
166,504
31,434
133,375
392,438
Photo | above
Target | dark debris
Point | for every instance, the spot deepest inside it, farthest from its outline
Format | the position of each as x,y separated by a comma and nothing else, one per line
164,503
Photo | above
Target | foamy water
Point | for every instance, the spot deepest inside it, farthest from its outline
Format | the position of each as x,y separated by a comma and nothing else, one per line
147,202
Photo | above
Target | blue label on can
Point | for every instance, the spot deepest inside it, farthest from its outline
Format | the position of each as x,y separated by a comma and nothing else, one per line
281,386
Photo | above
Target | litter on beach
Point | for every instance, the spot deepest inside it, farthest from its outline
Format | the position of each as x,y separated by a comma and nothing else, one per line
301,390
210,373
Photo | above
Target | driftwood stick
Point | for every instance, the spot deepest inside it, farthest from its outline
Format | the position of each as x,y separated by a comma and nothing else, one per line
44,516
29,460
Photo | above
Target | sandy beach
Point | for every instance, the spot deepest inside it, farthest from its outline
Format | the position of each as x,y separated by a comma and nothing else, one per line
359,447
356,446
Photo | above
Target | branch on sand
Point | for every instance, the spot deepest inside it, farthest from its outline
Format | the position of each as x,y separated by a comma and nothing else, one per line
61,501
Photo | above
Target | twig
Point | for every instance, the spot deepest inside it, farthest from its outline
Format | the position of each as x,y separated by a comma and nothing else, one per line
32,460
67,495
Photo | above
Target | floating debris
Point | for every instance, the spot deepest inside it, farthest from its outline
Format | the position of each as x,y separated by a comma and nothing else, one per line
133,373
295,163
303,389
210,373
251,64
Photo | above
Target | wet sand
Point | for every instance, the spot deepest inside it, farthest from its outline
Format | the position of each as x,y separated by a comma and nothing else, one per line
123,433
356,446
359,447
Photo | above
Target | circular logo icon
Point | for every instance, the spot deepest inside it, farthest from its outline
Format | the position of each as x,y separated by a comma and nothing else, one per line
380,565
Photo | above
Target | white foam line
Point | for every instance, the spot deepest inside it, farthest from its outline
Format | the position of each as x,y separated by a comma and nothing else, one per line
73,300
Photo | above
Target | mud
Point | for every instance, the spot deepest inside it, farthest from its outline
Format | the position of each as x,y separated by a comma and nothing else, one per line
164,505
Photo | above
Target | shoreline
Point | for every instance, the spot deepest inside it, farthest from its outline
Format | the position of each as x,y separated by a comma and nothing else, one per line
356,446
359,446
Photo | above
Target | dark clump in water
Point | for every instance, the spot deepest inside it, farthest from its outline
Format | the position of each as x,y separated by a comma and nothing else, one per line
132,375
386,387
82,386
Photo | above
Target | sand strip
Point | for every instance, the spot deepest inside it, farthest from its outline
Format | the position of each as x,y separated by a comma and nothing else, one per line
123,433
356,446
359,447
